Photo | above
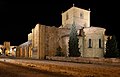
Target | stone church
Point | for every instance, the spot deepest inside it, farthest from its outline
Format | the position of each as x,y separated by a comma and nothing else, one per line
44,40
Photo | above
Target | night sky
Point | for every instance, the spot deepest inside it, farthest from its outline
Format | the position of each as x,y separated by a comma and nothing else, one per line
17,18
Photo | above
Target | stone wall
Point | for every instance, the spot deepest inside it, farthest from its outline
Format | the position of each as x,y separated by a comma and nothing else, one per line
51,42
41,42
55,37
94,33
24,50
38,41
86,60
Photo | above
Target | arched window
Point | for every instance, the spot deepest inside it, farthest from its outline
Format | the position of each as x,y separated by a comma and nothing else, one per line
99,43
90,43
81,15
67,16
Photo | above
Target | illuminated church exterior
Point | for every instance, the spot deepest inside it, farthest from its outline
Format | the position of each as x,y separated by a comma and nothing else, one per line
44,40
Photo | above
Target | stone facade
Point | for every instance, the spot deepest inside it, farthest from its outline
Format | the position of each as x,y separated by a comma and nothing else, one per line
45,39
24,50
97,37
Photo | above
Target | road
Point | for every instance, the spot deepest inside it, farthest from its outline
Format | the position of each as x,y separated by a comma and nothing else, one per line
80,69
12,70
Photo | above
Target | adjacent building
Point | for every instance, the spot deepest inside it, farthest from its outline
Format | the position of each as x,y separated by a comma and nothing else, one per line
7,50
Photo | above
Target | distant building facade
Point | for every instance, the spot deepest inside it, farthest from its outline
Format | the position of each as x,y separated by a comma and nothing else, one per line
44,40
7,50
7,47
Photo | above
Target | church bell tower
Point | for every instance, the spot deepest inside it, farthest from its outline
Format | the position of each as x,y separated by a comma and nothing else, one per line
79,16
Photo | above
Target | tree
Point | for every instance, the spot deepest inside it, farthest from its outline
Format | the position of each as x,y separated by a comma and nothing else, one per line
111,48
58,52
73,42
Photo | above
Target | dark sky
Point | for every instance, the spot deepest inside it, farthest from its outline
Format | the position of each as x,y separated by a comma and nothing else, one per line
18,17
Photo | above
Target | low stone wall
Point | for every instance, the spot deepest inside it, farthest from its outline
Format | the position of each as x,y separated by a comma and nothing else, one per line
85,60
